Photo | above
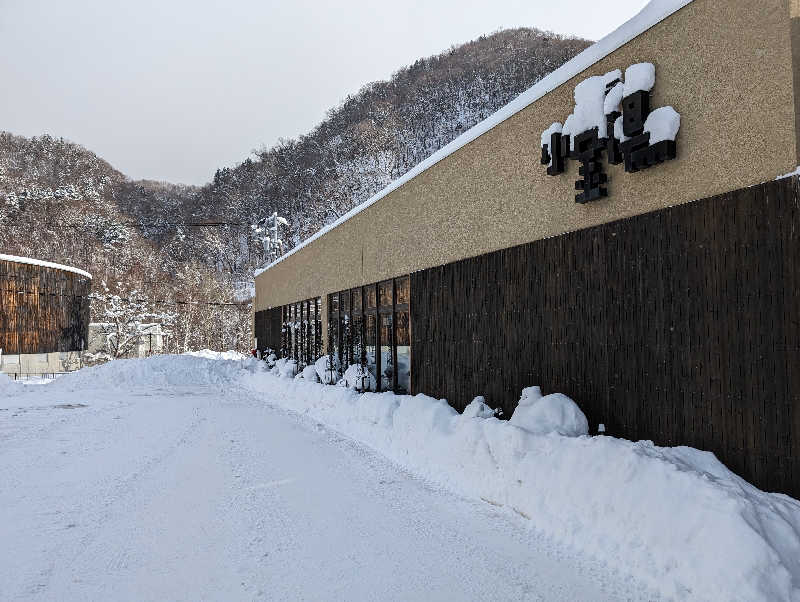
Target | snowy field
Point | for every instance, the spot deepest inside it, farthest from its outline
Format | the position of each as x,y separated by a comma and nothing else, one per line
187,478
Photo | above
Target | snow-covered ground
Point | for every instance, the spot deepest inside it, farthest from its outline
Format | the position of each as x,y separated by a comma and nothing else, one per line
189,478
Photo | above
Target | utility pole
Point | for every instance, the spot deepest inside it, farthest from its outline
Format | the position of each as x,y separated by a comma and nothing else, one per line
273,245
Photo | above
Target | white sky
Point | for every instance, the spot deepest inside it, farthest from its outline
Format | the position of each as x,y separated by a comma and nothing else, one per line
172,89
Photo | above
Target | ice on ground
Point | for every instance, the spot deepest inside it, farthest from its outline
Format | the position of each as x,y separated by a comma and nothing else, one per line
554,413
663,123
640,77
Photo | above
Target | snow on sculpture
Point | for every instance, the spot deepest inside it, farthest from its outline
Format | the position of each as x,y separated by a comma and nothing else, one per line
614,116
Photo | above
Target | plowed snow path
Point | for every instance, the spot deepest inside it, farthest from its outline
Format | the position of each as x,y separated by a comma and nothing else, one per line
203,494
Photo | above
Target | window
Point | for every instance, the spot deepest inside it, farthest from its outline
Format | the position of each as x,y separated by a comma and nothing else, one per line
403,289
373,327
370,344
318,329
387,352
370,297
301,331
385,294
402,335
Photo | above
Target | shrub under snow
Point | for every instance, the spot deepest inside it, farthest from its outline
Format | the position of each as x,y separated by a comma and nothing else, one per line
554,413
359,378
327,370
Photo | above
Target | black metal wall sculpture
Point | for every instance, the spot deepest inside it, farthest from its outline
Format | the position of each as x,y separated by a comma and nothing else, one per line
633,133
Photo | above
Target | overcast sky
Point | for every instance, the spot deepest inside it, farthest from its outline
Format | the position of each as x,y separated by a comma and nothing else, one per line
172,89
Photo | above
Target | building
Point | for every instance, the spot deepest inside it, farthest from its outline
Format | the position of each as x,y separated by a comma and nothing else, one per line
666,300
44,316
138,340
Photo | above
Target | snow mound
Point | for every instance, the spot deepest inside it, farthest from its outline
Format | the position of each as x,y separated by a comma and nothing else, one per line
218,355
155,371
675,518
555,413
7,386
477,408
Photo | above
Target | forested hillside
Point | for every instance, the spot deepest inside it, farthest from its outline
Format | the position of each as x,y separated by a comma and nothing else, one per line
60,202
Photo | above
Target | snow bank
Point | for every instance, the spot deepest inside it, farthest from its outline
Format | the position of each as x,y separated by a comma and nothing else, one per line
155,371
218,355
676,518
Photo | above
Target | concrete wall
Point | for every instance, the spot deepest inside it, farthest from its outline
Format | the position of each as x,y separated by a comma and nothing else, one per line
40,363
725,66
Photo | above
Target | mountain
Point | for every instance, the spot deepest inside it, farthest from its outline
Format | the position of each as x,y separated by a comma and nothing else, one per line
60,202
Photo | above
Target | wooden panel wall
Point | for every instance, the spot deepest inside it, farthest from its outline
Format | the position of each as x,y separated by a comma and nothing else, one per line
42,310
681,326
268,324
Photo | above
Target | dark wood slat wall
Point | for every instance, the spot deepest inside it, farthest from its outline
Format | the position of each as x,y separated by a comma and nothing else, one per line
681,326
268,324
42,310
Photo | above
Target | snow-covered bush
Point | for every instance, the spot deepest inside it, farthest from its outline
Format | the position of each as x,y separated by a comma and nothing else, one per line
359,378
327,371
309,373
477,408
271,359
289,369
554,413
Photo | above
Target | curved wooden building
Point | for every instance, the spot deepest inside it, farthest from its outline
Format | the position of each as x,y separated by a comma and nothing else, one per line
44,307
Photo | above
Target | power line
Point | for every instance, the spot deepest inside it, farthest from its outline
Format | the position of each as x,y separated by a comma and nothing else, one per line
92,296
147,225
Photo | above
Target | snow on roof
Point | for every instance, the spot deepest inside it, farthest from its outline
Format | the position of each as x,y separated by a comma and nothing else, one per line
652,14
45,264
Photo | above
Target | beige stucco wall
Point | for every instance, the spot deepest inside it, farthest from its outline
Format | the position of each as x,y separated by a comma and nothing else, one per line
725,65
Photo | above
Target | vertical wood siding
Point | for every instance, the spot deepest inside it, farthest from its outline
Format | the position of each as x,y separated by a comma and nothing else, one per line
681,326
42,310
268,324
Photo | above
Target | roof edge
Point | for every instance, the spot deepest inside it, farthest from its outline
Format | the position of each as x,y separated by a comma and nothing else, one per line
44,264
652,14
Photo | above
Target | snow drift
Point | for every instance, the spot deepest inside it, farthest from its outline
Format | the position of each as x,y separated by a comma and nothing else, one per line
675,518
